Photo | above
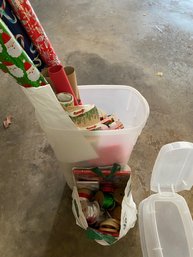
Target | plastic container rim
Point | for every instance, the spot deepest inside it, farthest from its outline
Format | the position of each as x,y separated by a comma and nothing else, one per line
120,131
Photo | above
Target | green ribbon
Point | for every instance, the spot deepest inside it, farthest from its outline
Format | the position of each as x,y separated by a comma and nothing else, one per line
108,201
95,235
116,167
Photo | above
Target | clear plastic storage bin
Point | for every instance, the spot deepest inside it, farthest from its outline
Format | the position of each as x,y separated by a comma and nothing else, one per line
86,148
130,107
165,222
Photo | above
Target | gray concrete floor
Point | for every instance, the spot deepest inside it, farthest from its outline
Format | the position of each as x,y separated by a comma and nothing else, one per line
108,42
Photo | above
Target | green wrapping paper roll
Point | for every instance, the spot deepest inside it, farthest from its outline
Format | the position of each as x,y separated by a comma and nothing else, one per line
15,61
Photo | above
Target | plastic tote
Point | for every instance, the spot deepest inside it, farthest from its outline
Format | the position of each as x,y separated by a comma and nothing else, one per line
130,107
91,148
165,222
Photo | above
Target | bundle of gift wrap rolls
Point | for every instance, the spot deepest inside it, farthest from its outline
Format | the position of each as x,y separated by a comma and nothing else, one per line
29,57
86,116
101,196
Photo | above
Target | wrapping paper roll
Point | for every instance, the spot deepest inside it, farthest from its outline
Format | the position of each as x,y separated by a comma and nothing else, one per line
84,115
44,72
60,81
28,18
66,100
71,74
12,22
15,61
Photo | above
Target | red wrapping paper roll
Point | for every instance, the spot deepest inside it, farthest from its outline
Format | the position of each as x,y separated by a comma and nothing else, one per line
60,81
29,20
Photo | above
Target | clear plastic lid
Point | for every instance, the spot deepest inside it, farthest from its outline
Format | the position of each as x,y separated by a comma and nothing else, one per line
173,169
166,228
165,222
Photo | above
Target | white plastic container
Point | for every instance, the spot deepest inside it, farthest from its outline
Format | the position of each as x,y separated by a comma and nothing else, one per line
74,147
165,222
130,107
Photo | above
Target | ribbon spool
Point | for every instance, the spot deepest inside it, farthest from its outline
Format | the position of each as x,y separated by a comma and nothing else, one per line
105,200
110,225
84,193
66,100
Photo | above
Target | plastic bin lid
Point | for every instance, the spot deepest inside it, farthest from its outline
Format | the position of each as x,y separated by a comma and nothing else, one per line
173,168
166,228
165,222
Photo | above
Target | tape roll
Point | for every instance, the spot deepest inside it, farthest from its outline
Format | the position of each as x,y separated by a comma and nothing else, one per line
66,100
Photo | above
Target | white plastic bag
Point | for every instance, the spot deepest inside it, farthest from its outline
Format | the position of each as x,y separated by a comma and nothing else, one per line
128,216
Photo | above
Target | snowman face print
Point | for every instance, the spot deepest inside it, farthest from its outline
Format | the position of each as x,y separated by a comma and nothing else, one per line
15,71
13,49
33,74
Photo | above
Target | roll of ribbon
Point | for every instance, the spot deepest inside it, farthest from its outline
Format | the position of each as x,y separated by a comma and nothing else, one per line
84,115
105,200
85,193
60,81
29,20
12,22
66,100
110,225
15,61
